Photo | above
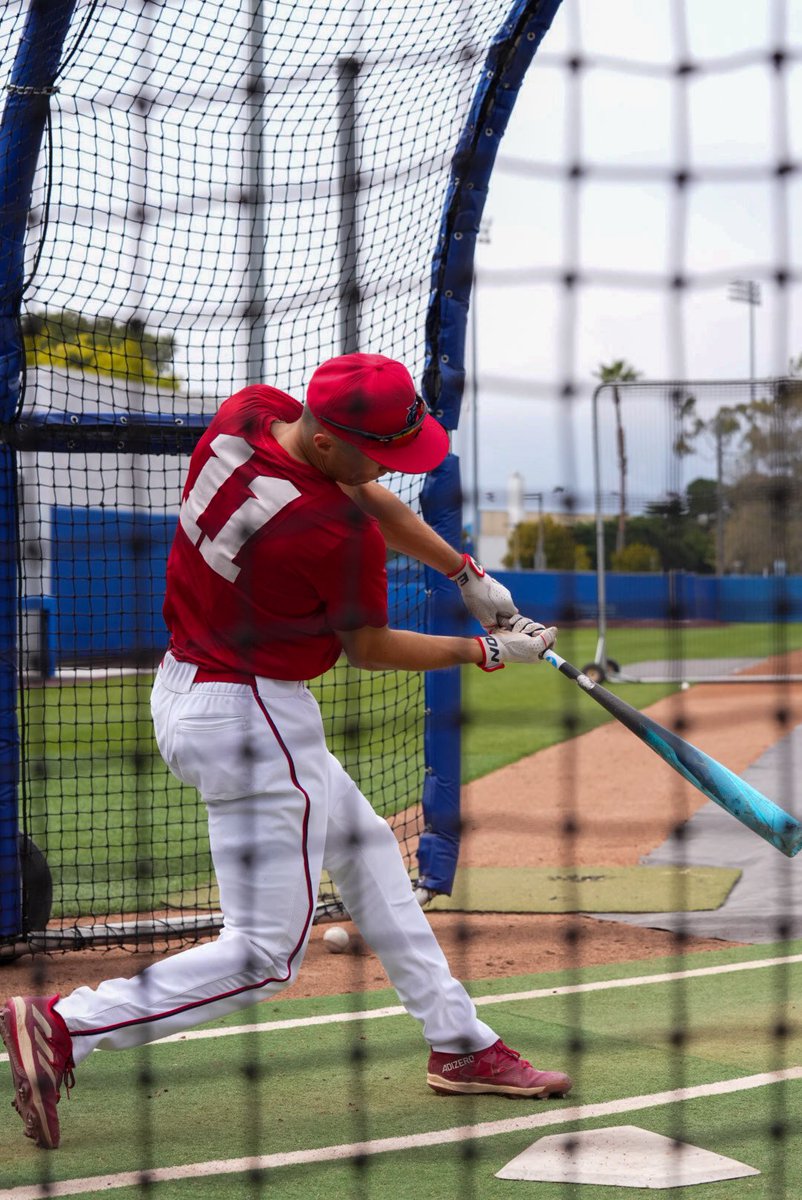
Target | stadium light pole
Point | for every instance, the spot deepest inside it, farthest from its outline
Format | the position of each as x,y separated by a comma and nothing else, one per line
540,548
747,291
482,239
541,561
719,499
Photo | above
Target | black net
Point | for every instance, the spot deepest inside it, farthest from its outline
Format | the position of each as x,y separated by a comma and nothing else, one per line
233,192
230,193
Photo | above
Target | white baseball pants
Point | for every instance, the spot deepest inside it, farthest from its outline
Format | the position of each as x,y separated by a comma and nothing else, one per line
280,809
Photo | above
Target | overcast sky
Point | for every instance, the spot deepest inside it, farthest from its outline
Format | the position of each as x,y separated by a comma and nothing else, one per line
627,228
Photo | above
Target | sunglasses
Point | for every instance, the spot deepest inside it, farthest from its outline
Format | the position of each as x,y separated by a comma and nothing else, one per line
415,418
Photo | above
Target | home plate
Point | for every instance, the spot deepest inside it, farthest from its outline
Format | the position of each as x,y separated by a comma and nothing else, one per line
622,1156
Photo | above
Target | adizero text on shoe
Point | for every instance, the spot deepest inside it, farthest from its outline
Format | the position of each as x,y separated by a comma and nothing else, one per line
40,1053
496,1069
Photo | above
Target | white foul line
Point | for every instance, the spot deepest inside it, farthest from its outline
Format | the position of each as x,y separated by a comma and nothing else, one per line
397,1010
439,1137
571,989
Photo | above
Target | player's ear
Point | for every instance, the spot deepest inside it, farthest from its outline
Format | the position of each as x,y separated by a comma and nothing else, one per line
323,442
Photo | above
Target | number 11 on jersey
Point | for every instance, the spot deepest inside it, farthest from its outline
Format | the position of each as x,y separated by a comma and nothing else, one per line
263,497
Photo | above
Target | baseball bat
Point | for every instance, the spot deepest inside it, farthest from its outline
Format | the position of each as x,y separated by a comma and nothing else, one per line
717,782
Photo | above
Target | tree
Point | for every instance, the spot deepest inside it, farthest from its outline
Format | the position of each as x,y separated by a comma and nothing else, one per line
721,428
617,372
679,541
702,499
637,556
561,550
764,525
772,432
118,349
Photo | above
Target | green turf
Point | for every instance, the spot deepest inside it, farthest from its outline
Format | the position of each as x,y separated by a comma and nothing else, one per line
121,834
112,820
587,889
468,1169
293,1090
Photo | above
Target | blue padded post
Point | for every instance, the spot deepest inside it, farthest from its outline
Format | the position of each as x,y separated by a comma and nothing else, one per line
21,129
508,58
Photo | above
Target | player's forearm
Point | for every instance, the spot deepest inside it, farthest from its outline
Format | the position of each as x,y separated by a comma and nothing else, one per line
403,530
403,650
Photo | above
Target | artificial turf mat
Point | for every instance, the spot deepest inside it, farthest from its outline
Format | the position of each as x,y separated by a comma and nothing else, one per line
587,889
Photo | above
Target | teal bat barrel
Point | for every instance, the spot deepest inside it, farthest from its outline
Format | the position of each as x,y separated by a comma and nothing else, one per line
714,780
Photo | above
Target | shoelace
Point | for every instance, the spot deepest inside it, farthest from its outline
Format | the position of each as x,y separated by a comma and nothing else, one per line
514,1054
67,1075
507,1050
68,1078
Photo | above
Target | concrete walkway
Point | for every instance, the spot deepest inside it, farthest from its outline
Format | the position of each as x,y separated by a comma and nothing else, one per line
766,903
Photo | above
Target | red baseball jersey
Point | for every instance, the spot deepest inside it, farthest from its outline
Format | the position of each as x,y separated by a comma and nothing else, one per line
270,557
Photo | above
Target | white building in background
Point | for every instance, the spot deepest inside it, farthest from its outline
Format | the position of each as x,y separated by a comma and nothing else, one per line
129,482
494,532
93,481
506,508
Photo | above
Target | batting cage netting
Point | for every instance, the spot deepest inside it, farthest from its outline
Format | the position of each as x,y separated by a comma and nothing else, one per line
228,193
588,256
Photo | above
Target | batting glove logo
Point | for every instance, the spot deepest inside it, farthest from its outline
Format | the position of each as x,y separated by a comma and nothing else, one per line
491,651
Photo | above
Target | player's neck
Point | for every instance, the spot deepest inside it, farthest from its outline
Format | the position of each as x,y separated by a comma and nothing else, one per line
289,436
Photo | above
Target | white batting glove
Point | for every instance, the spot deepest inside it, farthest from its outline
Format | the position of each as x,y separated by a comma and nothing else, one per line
522,624
503,646
484,597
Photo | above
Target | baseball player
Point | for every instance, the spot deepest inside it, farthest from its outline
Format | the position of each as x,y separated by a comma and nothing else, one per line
278,566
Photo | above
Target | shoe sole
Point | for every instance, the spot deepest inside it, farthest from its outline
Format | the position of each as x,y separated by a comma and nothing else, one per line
27,1095
445,1088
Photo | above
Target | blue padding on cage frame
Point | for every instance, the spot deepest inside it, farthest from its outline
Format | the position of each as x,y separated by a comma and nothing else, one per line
21,129
508,58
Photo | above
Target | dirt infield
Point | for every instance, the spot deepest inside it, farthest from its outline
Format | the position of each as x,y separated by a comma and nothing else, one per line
602,799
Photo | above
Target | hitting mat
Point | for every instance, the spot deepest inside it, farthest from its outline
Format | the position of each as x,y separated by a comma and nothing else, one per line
588,889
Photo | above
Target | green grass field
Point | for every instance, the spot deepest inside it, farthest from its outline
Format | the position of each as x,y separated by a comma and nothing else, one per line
121,833
516,712
209,1105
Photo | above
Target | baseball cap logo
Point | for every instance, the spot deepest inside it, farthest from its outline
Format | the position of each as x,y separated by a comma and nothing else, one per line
414,414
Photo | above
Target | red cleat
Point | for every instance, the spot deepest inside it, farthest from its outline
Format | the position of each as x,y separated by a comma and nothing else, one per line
496,1069
40,1052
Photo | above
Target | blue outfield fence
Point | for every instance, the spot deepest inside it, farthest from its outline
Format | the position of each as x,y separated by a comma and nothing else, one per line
108,584
674,596
107,578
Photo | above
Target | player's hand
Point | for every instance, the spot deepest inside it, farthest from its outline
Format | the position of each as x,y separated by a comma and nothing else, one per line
522,624
484,597
503,646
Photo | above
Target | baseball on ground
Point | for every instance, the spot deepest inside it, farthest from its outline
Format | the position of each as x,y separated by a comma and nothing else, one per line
336,939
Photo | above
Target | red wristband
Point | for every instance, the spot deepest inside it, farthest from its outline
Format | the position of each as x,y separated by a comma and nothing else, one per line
460,576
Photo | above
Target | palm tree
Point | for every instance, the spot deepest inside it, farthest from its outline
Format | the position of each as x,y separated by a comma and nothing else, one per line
617,372
725,423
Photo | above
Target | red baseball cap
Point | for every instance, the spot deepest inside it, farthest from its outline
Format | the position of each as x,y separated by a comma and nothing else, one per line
370,402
